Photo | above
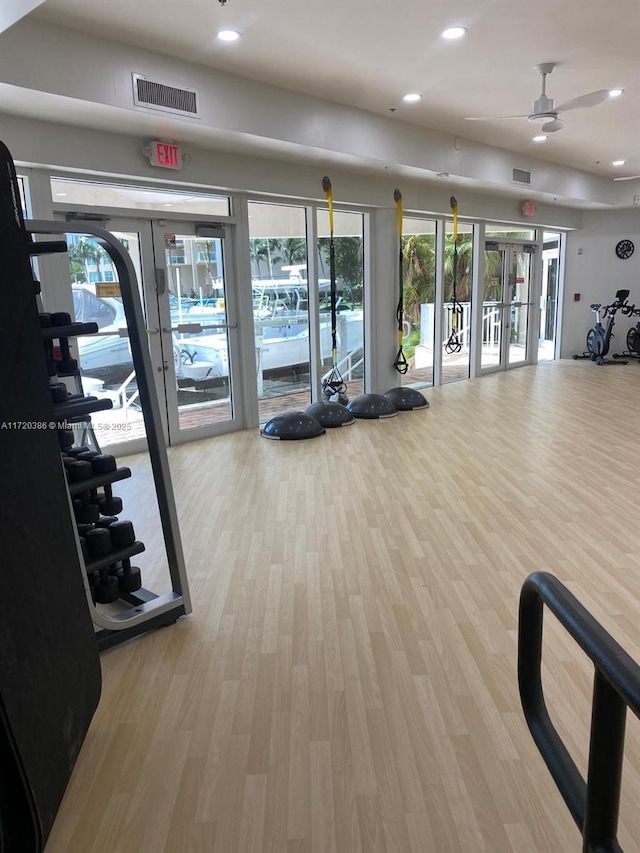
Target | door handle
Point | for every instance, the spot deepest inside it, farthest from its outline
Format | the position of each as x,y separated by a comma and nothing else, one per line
185,328
196,328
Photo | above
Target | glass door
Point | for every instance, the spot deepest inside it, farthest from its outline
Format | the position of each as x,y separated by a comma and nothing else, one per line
197,328
183,273
506,307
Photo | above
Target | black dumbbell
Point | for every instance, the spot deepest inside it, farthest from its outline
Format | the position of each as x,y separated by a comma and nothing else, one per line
103,463
66,364
75,451
86,511
59,392
109,504
98,541
87,455
122,536
106,521
78,470
105,587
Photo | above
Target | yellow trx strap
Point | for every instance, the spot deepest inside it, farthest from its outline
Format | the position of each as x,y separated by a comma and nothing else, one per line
454,208
326,185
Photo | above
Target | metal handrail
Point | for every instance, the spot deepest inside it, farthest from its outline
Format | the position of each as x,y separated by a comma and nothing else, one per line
593,804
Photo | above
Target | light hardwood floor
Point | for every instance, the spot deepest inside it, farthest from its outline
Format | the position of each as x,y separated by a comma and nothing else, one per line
347,680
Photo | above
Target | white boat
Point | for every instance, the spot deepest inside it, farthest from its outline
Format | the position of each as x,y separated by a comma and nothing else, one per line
278,346
281,322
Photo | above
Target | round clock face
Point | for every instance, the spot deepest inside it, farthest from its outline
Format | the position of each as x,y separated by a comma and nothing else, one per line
624,249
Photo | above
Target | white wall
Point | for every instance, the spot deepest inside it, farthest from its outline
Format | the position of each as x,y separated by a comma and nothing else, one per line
595,272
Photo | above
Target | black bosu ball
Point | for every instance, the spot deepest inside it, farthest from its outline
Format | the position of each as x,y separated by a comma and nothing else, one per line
290,426
371,406
330,414
406,399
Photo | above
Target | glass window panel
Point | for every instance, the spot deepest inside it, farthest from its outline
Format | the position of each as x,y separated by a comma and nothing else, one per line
456,316
549,296
349,261
419,277
105,359
94,194
278,248
505,231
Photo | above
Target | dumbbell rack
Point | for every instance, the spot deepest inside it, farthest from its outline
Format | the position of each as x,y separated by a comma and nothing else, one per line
143,609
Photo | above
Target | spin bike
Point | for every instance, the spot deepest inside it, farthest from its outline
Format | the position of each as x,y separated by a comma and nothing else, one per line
633,335
599,337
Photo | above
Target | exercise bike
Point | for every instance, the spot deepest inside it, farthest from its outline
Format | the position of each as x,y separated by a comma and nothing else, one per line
633,335
599,337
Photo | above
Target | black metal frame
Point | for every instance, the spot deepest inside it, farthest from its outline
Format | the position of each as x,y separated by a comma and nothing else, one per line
594,805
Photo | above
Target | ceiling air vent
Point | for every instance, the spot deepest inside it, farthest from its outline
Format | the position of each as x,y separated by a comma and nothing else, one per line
160,96
520,176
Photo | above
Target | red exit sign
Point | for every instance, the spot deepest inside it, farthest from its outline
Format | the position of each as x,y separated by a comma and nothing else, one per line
166,154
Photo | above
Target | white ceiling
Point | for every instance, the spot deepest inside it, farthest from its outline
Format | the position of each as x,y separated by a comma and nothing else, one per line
368,53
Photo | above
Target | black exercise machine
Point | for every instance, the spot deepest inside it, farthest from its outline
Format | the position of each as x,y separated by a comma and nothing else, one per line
599,336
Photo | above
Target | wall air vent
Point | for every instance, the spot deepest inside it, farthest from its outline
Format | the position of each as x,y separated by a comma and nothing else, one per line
160,96
520,176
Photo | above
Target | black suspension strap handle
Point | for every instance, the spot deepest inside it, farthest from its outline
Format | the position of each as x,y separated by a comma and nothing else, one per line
400,363
454,344
334,385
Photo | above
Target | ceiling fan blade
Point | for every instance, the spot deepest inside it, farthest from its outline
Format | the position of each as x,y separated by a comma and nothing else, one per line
590,100
552,126
628,178
491,118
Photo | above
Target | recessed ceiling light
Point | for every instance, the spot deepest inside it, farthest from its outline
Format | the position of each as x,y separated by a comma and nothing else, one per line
615,93
618,162
541,138
411,97
228,35
454,32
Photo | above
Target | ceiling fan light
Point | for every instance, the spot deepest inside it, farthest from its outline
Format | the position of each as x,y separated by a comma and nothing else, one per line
454,32
541,138
552,126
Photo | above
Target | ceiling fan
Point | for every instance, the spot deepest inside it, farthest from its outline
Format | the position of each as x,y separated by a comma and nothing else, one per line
544,110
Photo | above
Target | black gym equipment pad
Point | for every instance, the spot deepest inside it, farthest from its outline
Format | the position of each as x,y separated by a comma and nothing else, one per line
49,666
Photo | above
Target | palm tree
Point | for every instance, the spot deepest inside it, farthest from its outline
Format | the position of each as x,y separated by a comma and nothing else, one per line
259,252
464,267
83,251
418,260
293,250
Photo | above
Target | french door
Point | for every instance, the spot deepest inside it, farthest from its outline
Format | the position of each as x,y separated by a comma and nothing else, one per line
185,279
506,306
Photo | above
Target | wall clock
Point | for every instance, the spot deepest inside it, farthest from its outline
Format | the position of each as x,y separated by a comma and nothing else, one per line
624,249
